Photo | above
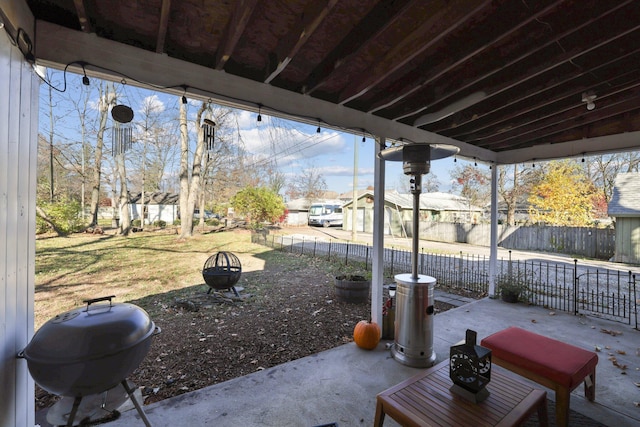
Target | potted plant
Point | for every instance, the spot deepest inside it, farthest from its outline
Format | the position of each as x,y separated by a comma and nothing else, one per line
512,285
353,287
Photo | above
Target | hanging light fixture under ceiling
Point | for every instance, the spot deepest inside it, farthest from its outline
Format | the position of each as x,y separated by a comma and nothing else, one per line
589,97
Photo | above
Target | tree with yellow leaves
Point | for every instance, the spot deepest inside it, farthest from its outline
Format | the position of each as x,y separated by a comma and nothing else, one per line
564,196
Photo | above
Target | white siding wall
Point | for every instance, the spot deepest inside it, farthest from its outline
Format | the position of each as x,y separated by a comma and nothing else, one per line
18,155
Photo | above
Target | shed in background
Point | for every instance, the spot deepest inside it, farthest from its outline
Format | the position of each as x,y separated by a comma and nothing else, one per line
625,208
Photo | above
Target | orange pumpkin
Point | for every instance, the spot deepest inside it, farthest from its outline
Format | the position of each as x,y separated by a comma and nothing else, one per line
366,334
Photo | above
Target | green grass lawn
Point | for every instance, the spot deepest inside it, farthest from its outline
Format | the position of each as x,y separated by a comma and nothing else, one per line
83,266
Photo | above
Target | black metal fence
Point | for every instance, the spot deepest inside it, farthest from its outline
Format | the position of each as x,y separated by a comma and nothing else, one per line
571,287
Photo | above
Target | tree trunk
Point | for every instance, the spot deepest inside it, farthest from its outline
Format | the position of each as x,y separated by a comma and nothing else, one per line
190,188
125,217
106,99
43,215
186,217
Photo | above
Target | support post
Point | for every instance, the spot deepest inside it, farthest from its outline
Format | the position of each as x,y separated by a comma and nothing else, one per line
377,265
493,244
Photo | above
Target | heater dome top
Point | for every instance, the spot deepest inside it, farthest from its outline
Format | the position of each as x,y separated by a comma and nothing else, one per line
420,151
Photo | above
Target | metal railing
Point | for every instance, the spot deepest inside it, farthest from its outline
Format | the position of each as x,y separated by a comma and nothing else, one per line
569,287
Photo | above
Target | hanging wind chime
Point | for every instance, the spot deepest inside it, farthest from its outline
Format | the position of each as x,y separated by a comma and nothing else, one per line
208,135
121,135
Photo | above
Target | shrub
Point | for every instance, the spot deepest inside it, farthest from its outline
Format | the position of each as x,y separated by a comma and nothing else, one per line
136,223
65,214
160,223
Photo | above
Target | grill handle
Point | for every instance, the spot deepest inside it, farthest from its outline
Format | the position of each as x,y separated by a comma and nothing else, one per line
91,301
94,300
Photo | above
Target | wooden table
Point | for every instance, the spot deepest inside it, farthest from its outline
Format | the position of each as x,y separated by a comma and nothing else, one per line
425,400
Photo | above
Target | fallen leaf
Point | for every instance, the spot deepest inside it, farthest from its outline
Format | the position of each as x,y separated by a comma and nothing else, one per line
636,384
610,332
533,321
552,313
608,347
598,348
621,352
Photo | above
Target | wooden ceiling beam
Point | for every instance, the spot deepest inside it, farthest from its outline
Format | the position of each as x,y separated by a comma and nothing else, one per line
430,73
384,16
313,15
563,122
507,82
507,111
234,30
163,25
458,12
85,25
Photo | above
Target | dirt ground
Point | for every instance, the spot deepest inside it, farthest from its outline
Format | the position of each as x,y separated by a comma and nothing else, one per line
285,312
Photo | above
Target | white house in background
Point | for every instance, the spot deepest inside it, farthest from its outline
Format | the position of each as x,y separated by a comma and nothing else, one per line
157,207
297,212
625,207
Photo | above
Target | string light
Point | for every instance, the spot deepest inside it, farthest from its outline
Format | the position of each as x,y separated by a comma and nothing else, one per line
259,115
474,162
318,130
184,95
85,79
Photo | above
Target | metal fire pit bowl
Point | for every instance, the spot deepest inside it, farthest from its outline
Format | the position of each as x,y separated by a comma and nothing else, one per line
222,271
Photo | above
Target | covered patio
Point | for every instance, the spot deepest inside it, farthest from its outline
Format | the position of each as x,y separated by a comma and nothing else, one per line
503,81
340,385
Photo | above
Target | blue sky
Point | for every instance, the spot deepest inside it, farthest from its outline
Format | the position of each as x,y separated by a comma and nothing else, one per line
331,152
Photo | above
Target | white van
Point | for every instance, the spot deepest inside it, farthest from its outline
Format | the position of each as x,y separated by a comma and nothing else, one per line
325,214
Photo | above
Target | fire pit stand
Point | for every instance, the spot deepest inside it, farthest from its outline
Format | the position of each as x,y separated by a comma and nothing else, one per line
222,271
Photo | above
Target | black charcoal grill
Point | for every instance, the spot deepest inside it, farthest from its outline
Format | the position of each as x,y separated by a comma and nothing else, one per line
90,350
222,271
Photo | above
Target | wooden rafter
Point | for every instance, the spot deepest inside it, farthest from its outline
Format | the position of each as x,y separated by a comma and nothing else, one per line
162,27
428,74
506,83
505,114
85,25
381,19
234,30
312,17
414,45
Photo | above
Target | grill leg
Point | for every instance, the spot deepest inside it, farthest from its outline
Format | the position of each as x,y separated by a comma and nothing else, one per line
233,288
135,403
74,410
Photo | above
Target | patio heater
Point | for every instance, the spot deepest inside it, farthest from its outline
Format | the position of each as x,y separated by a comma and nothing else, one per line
413,332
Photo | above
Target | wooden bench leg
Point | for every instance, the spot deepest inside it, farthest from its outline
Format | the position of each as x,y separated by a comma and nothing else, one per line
379,419
590,386
563,396
543,416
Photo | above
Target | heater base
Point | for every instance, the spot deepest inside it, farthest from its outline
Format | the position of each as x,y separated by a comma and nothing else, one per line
412,361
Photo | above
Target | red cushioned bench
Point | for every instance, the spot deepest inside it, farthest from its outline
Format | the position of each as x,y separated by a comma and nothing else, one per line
552,363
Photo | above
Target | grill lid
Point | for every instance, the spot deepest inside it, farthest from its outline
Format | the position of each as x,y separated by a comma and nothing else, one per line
90,332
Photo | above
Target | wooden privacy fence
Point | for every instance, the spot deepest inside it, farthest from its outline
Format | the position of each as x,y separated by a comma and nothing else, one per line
588,242
568,286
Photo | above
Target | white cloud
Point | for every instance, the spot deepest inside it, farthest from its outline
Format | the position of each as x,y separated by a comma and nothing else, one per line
289,145
151,104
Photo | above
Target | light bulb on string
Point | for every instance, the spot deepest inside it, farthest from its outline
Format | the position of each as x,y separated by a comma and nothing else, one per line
184,94
259,115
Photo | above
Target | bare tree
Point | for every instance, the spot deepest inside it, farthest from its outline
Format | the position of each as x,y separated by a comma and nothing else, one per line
190,185
107,98
308,184
514,185
602,170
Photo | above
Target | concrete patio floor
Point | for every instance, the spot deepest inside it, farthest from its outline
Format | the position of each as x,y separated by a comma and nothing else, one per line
340,385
